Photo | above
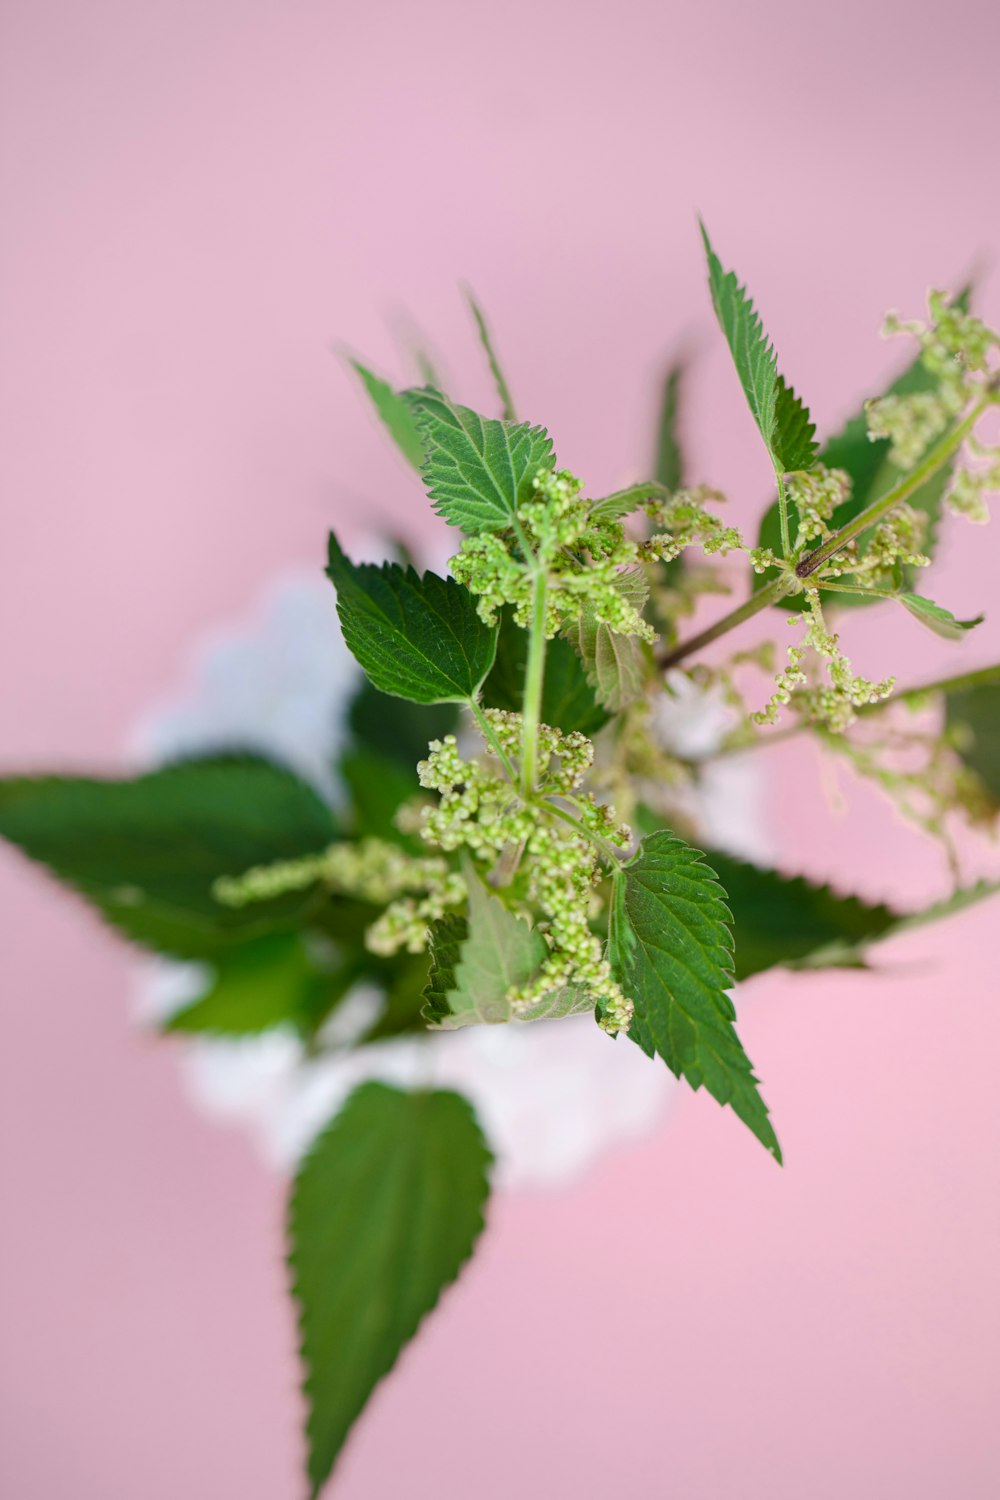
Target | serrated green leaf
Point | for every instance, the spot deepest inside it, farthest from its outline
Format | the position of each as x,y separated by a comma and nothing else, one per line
568,701
147,850
416,637
395,413
476,960
959,901
615,665
941,621
499,379
478,469
782,420
270,982
973,717
789,921
385,1211
671,952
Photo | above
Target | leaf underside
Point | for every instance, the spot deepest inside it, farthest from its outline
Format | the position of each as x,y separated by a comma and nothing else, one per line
476,960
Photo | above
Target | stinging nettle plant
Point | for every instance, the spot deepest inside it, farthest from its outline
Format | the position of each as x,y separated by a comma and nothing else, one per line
510,847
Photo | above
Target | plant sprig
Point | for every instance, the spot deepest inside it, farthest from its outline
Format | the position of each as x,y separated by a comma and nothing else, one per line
512,845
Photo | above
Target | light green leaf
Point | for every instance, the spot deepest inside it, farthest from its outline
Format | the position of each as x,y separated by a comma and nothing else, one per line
941,621
499,379
394,411
554,1005
478,469
782,420
568,701
671,952
475,961
623,502
147,851
615,664
416,637
385,1211
270,982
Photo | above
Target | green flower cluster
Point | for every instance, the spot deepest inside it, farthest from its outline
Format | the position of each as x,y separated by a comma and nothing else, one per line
556,870
583,558
959,351
832,703
688,522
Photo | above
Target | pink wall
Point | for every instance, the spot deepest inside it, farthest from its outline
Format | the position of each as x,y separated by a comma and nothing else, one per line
199,197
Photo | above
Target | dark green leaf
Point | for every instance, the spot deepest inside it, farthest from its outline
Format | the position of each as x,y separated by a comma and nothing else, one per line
782,420
787,920
475,964
669,466
147,851
478,469
499,379
404,979
973,717
395,729
671,952
378,788
272,981
568,701
386,1209
416,637
941,621
394,411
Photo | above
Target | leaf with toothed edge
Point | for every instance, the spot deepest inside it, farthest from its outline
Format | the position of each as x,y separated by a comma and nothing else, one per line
478,470
416,636
146,851
385,1210
782,419
615,664
670,948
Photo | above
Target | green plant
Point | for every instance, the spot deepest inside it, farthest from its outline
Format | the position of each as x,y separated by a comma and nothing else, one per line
533,865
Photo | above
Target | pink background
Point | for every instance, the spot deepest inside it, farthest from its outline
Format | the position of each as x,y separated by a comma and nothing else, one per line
199,197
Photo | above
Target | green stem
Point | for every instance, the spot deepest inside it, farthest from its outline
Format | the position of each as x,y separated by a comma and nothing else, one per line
613,855
771,593
960,683
486,730
846,588
534,678
945,448
786,540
